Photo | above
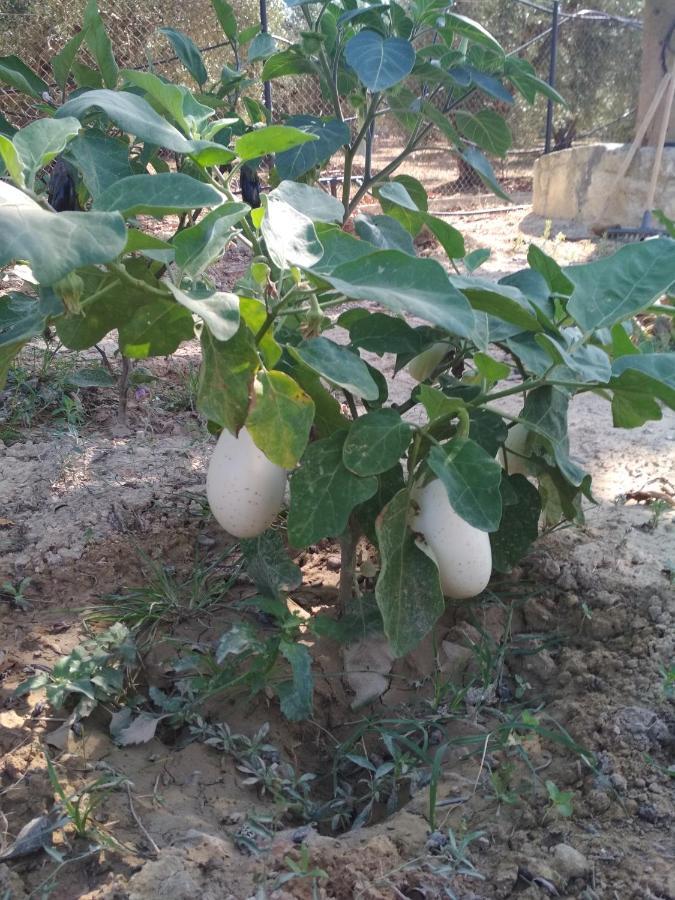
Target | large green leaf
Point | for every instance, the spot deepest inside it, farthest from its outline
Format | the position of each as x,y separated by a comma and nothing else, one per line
338,248
638,381
314,203
288,62
101,159
269,566
471,479
296,696
226,378
16,74
484,170
556,279
330,135
418,287
156,329
199,246
132,114
388,485
501,301
612,289
380,333
179,103
62,62
157,195
408,589
471,30
324,492
545,411
106,303
385,233
40,142
188,53
262,46
337,364
218,310
100,45
290,236
226,17
280,418
56,243
379,62
254,313
487,129
272,139
413,215
519,526
376,442
328,416
23,317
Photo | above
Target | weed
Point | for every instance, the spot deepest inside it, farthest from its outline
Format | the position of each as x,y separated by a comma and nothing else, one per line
94,672
15,593
449,855
561,801
166,599
302,869
668,683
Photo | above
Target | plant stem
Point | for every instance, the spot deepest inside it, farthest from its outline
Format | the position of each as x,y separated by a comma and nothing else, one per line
138,283
351,152
351,404
123,391
482,399
348,544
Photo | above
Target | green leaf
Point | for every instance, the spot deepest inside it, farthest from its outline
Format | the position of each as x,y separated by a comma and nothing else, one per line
638,381
188,53
499,300
476,258
16,74
487,129
328,416
471,30
101,159
105,304
22,318
85,76
471,479
388,485
239,639
490,368
519,526
281,418
253,312
62,62
296,696
376,442
384,233
40,142
132,114
450,239
330,135
484,170
556,279
314,203
11,159
408,589
179,103
226,378
269,565
56,243
290,236
156,329
418,287
157,195
262,46
288,62
338,365
436,404
487,429
380,333
379,62
218,310
272,139
612,289
545,411
98,42
226,17
197,247
324,492
94,377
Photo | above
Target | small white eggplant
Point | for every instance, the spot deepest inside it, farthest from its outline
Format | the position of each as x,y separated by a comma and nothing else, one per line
422,365
244,489
461,552
518,446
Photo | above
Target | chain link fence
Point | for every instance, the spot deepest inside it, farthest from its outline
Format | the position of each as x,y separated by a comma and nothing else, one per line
598,53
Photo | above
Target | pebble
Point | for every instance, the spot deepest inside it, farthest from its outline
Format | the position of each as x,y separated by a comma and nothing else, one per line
599,801
618,782
570,863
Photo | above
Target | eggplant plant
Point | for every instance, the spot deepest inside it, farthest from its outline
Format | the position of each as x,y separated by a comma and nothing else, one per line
447,484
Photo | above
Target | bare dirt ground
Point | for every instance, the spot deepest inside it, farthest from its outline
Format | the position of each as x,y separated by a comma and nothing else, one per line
558,675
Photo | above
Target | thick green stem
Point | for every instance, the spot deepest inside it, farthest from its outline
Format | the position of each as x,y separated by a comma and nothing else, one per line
348,543
138,283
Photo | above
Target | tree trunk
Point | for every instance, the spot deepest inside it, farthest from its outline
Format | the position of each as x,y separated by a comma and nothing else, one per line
659,16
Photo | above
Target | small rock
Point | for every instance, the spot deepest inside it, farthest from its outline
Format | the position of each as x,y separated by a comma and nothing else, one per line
367,665
648,812
550,569
599,801
618,782
569,863
567,581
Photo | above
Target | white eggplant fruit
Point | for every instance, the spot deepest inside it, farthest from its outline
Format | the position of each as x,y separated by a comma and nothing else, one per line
461,552
421,366
518,446
244,489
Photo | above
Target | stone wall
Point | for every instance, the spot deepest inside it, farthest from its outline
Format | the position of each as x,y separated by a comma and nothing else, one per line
580,183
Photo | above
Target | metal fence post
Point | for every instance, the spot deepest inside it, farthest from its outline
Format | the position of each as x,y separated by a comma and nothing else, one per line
551,74
267,86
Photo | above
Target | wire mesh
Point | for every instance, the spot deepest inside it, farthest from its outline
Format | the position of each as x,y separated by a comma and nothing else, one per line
598,53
